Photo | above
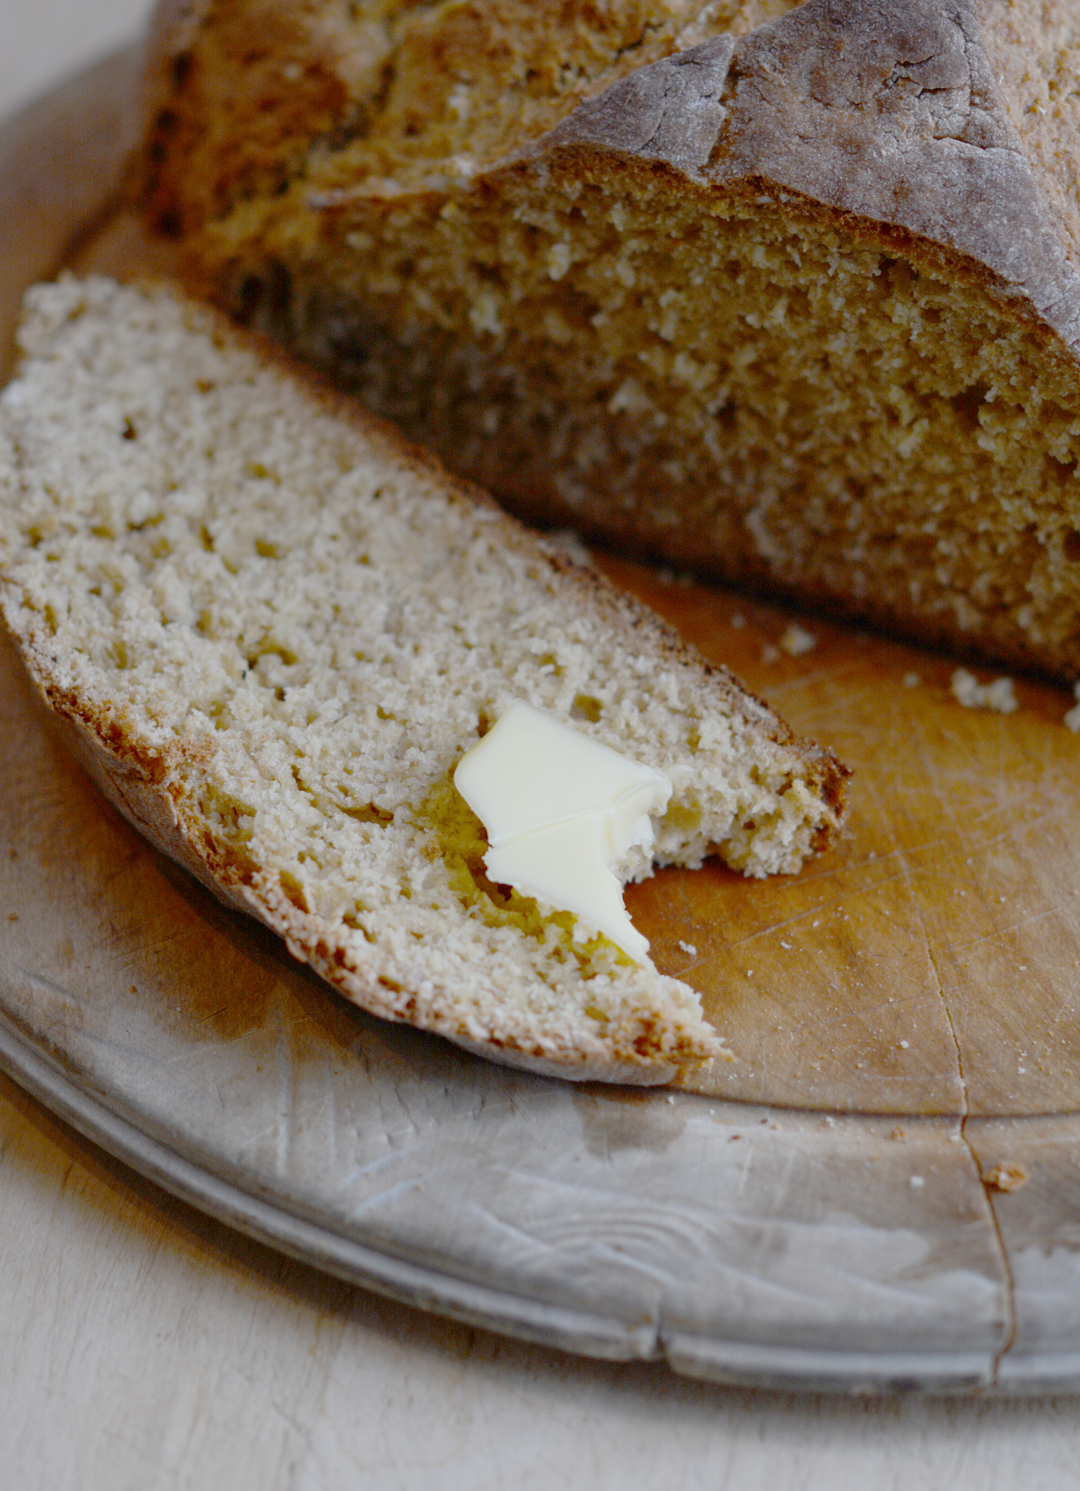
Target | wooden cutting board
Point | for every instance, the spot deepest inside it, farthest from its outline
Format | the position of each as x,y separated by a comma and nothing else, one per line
928,962
925,965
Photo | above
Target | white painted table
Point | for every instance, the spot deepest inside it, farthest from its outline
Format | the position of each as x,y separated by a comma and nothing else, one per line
145,1347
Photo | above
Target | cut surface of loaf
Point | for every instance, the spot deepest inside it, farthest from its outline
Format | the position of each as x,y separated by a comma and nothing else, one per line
273,630
788,293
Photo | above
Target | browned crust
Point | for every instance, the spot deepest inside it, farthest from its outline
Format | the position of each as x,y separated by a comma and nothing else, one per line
147,786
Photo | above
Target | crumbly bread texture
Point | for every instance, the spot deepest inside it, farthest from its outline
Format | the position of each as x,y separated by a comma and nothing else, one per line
273,630
786,293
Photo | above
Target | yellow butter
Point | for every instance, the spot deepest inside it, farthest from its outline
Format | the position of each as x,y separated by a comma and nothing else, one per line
562,813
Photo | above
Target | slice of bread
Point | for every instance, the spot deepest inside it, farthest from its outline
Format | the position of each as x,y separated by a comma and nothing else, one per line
796,302
273,630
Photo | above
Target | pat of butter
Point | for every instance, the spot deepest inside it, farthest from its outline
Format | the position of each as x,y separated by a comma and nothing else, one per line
562,812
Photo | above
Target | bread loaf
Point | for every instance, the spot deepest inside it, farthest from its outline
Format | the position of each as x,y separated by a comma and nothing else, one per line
272,631
786,293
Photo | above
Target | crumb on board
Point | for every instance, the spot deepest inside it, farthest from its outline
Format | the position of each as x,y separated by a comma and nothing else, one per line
912,680
972,694
1072,718
797,640
688,948
770,654
1006,1177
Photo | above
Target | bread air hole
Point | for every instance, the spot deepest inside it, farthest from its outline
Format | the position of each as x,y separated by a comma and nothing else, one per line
585,707
967,404
351,919
369,813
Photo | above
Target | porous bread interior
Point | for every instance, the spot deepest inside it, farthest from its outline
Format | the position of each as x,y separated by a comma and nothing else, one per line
298,631
731,380
408,94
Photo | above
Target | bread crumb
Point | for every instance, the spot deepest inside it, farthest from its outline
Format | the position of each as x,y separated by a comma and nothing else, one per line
770,654
738,621
1006,1177
1072,718
797,640
912,680
972,694
916,1182
688,948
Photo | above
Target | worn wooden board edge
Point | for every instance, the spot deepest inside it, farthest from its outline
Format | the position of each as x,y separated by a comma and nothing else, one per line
730,1361
1028,1372
399,1279
782,1368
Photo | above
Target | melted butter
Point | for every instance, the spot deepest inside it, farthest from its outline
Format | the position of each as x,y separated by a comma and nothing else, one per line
562,814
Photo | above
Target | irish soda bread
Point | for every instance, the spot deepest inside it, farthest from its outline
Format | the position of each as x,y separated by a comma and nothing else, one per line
273,631
785,292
